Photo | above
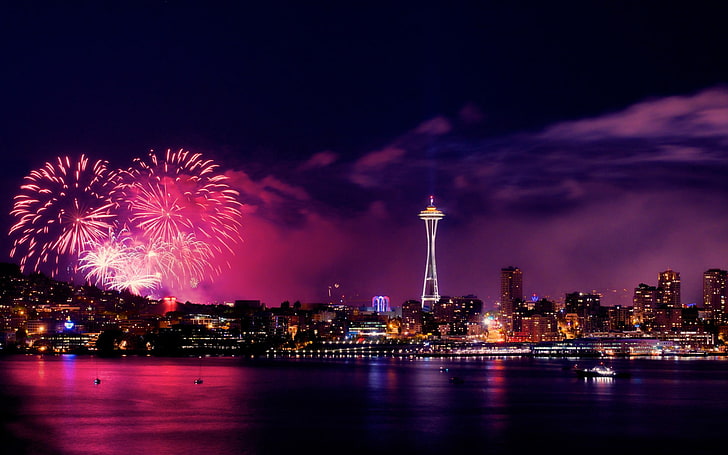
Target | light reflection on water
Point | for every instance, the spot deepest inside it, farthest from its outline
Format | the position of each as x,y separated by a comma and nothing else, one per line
151,405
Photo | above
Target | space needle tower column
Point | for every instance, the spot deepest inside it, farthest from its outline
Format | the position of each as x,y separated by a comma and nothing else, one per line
430,293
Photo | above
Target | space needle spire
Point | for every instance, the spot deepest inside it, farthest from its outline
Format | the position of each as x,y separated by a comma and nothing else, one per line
430,292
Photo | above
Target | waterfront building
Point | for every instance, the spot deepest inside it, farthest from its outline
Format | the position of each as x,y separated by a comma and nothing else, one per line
537,328
367,324
715,295
430,291
669,284
64,343
605,346
511,285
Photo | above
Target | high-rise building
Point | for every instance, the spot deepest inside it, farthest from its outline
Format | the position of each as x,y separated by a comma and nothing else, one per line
619,318
669,284
411,317
511,293
430,291
586,307
645,302
715,294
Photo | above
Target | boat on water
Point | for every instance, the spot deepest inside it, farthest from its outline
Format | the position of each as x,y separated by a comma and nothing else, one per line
199,375
97,381
599,371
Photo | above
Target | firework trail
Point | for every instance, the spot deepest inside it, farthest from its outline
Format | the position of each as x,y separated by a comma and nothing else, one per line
62,208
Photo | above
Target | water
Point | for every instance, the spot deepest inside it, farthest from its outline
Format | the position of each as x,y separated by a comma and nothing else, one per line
355,406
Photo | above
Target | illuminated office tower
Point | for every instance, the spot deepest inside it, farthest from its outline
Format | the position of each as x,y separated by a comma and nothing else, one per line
644,305
669,284
511,294
430,292
715,295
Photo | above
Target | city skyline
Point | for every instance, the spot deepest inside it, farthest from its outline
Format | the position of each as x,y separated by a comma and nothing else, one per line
584,144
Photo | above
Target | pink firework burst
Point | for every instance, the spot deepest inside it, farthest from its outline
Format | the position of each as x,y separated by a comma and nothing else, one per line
181,193
183,201
62,208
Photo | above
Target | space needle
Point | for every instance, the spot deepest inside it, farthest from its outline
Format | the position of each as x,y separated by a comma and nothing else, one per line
430,293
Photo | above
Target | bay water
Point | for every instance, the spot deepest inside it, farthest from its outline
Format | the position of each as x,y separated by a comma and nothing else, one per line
384,405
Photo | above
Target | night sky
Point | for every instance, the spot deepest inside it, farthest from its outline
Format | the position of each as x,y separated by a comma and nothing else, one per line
585,142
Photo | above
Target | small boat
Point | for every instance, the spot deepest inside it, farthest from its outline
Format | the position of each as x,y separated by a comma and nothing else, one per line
97,381
599,371
199,375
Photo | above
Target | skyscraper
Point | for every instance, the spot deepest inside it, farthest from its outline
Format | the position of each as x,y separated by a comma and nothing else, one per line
430,291
669,284
511,291
715,294
586,307
645,302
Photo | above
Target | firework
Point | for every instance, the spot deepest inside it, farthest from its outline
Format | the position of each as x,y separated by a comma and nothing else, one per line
119,264
191,257
162,223
181,193
62,208
134,280
102,263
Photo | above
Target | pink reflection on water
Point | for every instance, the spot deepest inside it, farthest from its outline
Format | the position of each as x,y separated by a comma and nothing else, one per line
142,405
